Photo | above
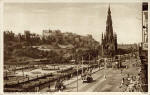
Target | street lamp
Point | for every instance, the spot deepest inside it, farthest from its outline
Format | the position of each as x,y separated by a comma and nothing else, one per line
98,62
75,55
82,65
77,74
105,68
89,62
77,78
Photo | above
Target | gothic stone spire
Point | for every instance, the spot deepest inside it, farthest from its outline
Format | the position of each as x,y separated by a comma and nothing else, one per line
109,28
109,41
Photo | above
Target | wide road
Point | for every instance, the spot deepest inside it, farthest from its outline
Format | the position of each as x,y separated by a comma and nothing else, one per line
100,84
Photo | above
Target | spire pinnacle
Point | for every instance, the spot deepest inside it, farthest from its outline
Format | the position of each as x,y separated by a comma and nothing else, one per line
102,35
109,9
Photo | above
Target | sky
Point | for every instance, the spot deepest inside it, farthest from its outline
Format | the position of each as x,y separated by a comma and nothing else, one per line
79,18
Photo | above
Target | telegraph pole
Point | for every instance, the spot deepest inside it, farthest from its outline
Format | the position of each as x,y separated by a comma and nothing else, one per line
77,67
77,78
98,62
89,62
82,65
105,69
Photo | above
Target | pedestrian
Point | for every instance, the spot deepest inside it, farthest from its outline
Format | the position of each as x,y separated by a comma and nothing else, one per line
90,71
104,76
49,87
128,75
121,71
37,89
122,82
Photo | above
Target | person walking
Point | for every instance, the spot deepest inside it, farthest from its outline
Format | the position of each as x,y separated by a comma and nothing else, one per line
49,86
122,83
105,69
121,71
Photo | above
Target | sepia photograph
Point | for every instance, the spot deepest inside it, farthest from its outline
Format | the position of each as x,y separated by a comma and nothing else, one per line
75,47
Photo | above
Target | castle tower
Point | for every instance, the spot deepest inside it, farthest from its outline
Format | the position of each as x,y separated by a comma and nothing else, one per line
109,40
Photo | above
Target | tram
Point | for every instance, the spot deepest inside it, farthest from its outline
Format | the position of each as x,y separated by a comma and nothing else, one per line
87,76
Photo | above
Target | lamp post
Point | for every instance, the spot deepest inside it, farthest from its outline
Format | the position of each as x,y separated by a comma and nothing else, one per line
77,78
49,85
105,69
98,63
75,55
82,65
89,62
77,75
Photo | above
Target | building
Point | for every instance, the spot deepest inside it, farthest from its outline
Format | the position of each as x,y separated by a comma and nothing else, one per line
143,49
27,34
109,38
47,33
145,23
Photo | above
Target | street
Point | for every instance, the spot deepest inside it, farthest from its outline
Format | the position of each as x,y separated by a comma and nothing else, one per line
110,83
100,84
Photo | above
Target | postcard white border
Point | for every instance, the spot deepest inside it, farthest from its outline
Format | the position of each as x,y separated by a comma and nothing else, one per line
2,2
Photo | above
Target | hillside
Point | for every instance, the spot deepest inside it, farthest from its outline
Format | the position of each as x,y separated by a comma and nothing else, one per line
59,47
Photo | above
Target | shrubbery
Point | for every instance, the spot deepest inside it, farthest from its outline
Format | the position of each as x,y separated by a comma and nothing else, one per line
16,46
